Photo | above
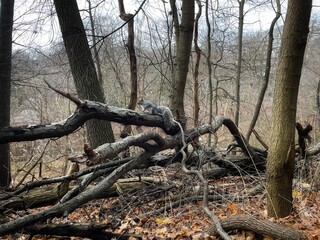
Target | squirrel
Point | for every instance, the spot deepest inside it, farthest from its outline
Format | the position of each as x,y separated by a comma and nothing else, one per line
165,112
152,108
167,117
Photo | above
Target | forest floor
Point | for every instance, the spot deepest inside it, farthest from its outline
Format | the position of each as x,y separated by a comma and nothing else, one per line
133,213
189,220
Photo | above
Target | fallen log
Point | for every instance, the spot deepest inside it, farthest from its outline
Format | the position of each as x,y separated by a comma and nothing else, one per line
261,227
50,195
38,197
92,231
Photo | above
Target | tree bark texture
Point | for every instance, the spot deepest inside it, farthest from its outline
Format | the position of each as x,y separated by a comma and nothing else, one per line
90,231
132,58
196,104
239,61
262,227
82,67
182,61
6,22
280,164
94,43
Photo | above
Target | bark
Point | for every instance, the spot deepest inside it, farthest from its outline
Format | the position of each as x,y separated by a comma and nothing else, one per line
261,227
92,231
175,19
281,159
94,44
82,66
51,194
239,61
63,209
210,90
266,72
196,105
39,196
184,42
89,110
132,58
6,22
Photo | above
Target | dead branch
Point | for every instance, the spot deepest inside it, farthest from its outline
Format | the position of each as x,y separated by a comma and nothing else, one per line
204,182
93,231
63,209
39,196
303,137
88,110
262,227
70,96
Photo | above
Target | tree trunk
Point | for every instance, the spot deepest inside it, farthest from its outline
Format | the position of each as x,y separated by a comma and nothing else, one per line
281,159
6,22
209,68
196,104
239,61
182,61
132,58
266,72
94,44
82,67
261,227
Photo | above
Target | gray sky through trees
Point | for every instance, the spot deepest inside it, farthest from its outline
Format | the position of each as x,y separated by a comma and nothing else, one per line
36,24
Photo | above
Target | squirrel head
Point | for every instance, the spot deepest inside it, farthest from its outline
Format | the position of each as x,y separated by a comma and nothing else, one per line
141,101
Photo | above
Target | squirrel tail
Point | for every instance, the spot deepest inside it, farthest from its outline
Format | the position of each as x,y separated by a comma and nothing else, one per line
167,118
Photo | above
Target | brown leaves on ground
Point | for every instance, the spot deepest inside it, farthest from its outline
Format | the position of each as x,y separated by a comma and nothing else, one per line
189,221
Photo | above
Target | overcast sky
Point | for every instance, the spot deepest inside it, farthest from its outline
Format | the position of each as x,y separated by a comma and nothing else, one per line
34,27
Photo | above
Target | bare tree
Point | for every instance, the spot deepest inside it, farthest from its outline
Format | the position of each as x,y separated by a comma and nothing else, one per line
6,22
82,66
94,43
281,158
184,36
132,57
239,60
266,73
196,107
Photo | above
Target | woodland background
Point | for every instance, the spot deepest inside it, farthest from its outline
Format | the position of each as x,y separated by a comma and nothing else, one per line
39,55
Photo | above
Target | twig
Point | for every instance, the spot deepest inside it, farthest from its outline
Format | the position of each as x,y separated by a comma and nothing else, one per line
70,96
34,165
214,218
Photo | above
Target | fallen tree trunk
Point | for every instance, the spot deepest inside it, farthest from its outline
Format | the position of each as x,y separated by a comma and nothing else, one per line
52,194
63,209
151,143
87,110
93,231
261,227
38,197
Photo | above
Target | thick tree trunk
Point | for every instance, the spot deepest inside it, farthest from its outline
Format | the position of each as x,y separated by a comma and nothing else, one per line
6,22
182,61
82,66
280,164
